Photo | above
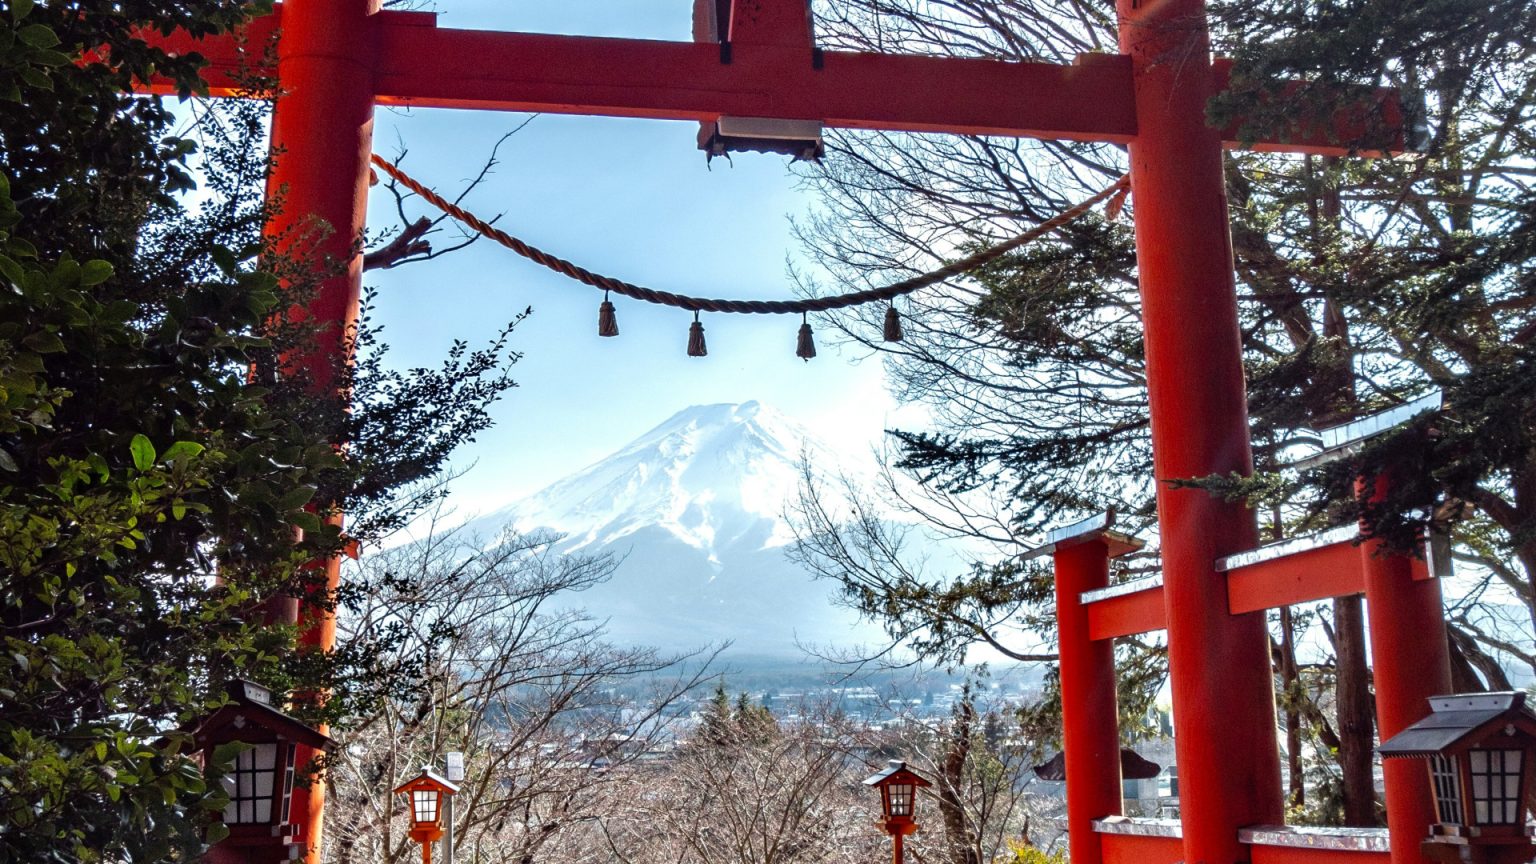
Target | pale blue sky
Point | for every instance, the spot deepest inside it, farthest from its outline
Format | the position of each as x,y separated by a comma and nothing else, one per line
628,198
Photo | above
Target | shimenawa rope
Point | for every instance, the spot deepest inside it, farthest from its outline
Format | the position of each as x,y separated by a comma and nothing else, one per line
766,307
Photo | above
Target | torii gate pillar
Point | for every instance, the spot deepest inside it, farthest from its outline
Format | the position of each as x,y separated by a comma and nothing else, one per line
322,136
1090,729
1409,666
1218,663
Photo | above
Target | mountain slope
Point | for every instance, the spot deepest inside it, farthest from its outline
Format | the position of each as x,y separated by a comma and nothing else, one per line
695,510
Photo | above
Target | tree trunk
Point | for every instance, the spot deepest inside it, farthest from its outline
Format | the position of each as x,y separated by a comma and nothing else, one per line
1290,694
1297,794
962,848
1355,712
1469,660
1525,552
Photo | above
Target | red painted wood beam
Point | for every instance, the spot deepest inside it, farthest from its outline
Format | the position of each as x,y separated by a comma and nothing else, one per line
1296,571
226,55
754,22
1411,662
1373,108
1218,663
1131,849
1284,574
322,135
440,68
424,66
1127,614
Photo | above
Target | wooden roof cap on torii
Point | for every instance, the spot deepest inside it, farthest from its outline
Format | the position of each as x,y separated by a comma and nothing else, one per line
1099,526
767,67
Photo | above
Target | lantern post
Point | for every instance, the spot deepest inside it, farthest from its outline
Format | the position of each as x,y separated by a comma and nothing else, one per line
425,797
454,765
898,787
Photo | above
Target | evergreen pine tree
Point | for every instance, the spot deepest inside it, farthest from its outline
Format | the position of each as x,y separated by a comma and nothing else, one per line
151,438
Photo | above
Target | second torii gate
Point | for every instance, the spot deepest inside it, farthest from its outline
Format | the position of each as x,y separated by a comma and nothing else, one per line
338,58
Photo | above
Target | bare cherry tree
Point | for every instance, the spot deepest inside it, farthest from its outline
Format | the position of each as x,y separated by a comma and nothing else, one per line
498,663
751,790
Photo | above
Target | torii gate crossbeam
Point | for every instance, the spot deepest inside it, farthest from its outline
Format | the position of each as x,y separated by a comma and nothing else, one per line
424,66
337,58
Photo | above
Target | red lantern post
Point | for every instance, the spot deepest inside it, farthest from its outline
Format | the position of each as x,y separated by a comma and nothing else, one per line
898,787
425,795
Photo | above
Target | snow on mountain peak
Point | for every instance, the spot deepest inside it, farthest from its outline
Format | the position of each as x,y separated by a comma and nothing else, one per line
717,477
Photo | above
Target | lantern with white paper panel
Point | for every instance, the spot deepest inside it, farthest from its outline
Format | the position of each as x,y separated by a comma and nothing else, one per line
898,787
425,795
255,745
1478,748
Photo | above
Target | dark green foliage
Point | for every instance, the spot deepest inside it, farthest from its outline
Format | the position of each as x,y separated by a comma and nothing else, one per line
151,437
1363,282
1426,264
1336,47
744,725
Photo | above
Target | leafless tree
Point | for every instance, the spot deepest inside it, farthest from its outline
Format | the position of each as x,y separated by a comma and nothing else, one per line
760,792
502,665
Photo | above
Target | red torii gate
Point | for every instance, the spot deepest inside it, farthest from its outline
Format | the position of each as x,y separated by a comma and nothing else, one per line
337,58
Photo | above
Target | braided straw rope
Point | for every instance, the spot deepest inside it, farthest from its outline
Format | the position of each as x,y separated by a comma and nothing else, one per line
765,307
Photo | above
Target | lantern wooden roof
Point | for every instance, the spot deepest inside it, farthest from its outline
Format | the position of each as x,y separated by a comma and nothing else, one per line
427,779
1459,723
250,709
1133,766
896,771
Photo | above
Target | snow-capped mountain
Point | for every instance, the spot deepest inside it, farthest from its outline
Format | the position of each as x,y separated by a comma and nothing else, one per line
695,508
713,476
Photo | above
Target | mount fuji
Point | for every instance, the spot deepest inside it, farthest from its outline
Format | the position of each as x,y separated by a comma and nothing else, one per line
694,510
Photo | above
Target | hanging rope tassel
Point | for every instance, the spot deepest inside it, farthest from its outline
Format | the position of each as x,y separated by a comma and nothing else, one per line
607,319
696,346
892,324
805,346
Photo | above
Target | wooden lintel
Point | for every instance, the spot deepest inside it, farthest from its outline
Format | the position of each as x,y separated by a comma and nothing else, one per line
1333,569
422,65
1127,614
